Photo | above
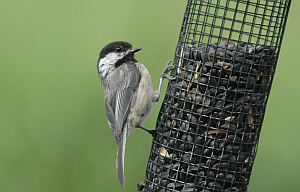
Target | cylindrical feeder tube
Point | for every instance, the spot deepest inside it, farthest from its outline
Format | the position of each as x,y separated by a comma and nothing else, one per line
209,124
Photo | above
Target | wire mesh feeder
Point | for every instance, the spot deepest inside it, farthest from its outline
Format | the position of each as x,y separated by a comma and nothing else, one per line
209,124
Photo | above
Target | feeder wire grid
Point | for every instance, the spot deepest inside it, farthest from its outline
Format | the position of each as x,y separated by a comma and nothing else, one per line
209,124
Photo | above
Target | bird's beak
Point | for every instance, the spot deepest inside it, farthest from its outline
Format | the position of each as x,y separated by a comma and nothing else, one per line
133,50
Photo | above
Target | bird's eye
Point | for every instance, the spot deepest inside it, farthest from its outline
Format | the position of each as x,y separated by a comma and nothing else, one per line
119,49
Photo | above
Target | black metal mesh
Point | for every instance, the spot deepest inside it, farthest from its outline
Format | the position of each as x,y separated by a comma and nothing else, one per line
209,124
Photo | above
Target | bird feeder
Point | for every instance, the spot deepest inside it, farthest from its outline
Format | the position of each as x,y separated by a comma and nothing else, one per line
209,124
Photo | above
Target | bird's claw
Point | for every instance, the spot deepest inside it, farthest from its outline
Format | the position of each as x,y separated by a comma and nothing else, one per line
151,131
168,63
166,70
168,77
163,75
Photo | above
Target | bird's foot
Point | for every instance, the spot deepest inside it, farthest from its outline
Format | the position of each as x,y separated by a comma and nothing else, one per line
151,131
164,75
166,70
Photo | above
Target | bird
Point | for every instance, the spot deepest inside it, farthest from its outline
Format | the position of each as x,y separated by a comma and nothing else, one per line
128,93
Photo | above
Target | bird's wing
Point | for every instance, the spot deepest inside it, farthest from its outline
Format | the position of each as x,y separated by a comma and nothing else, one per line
119,97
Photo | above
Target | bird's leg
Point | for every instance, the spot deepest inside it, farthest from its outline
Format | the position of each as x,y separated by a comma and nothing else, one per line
151,131
164,75
156,95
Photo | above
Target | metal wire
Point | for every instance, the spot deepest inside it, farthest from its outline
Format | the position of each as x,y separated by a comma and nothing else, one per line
209,124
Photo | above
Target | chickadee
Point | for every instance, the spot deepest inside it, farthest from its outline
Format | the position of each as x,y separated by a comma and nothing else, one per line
128,93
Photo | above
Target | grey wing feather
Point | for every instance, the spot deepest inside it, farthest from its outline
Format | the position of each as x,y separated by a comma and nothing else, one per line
118,100
123,100
120,158
111,120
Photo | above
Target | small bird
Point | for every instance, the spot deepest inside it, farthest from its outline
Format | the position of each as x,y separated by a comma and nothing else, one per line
128,93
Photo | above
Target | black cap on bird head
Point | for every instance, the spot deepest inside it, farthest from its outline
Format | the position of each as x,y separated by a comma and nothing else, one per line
118,46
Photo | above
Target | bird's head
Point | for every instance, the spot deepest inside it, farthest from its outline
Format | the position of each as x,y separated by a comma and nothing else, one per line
113,55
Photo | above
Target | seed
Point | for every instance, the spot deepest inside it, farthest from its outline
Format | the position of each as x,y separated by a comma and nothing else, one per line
198,150
184,126
163,152
207,152
213,82
211,174
176,185
220,176
191,118
229,177
203,80
219,104
200,140
171,143
198,99
186,157
206,101
220,165
214,185
163,182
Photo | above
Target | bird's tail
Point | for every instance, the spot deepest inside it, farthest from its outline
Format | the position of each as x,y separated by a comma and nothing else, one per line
120,158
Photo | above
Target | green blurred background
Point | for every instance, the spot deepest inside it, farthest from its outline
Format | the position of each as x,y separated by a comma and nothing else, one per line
53,132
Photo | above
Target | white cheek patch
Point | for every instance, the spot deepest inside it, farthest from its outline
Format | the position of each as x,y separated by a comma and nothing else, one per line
107,63
112,58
